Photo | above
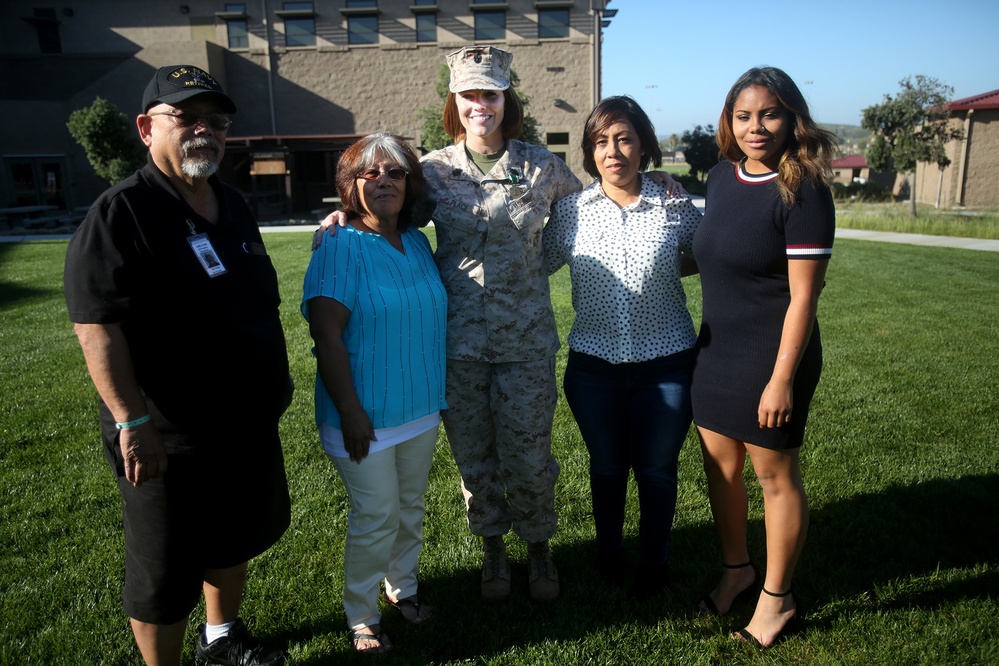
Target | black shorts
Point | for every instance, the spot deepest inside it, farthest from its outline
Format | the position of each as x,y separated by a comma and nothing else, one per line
213,509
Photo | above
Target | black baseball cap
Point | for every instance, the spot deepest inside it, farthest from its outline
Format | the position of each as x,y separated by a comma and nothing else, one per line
175,83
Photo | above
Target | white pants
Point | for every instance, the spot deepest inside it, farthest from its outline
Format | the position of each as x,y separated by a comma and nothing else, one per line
385,526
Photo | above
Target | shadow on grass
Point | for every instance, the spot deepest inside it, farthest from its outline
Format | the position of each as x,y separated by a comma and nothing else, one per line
10,293
468,630
881,539
857,548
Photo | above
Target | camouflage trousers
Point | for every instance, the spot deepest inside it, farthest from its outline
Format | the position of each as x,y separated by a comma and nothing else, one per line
499,425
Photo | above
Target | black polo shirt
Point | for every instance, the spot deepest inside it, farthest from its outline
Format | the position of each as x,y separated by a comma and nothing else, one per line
208,351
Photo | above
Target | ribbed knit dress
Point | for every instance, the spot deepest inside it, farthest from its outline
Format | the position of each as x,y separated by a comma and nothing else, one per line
742,248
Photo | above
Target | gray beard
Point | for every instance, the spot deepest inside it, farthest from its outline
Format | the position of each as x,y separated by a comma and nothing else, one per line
200,166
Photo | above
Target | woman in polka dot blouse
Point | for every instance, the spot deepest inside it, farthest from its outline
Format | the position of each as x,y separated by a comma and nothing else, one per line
627,381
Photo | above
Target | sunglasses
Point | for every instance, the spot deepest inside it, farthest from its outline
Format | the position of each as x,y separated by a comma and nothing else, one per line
217,121
374,174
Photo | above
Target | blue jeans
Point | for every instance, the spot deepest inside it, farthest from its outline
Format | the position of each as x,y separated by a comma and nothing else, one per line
632,416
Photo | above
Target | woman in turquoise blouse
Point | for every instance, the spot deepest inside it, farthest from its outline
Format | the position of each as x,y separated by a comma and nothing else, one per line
377,310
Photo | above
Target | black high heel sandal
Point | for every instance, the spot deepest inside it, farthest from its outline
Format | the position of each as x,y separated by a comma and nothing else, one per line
707,607
794,625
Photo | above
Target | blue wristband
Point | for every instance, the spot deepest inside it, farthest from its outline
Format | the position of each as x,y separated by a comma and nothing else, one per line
136,422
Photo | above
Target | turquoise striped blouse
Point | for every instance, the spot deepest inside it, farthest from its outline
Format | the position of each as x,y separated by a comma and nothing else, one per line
396,331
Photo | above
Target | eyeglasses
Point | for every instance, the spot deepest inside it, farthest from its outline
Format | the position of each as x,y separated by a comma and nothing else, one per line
217,121
374,174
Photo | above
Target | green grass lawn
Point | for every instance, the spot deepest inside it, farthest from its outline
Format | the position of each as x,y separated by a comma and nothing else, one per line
895,217
681,169
901,467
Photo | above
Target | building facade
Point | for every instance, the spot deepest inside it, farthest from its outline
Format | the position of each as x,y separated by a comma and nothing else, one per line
308,79
854,169
970,178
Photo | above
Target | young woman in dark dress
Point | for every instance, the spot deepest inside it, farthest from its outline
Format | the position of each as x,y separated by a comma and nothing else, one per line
762,250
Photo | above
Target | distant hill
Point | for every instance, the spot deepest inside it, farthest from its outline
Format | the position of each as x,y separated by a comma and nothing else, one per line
853,140
848,132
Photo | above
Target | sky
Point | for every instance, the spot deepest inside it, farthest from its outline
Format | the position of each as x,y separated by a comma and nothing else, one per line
678,58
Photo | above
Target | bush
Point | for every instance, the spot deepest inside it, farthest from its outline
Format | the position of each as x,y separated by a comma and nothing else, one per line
700,149
691,183
867,192
107,137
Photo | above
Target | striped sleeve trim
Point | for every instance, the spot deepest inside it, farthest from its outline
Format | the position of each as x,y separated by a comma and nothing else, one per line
808,252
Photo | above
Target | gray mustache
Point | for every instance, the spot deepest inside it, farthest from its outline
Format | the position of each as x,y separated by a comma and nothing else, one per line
202,142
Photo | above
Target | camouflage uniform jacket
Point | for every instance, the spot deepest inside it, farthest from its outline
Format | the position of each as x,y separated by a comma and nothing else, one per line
489,250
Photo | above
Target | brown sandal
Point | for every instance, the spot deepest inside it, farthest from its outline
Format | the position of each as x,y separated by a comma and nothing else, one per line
357,636
411,609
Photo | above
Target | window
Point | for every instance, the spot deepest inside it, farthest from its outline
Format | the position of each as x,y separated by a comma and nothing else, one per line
362,21
490,25
299,23
237,26
47,26
37,180
427,3
426,27
239,34
558,144
362,30
300,32
553,23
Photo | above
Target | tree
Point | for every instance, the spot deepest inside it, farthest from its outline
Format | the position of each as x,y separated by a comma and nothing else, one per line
106,137
910,128
432,128
432,117
700,149
669,144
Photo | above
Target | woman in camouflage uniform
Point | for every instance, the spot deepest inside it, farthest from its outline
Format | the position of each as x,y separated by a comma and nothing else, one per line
493,194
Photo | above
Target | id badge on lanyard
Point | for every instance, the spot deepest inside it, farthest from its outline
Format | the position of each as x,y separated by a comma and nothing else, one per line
203,249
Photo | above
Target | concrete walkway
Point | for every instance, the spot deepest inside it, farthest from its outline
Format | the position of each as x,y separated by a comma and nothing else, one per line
920,239
853,234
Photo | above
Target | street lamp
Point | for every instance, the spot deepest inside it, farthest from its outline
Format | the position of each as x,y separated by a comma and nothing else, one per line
601,21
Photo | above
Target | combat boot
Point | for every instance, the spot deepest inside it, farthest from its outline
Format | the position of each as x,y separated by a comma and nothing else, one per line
495,570
543,577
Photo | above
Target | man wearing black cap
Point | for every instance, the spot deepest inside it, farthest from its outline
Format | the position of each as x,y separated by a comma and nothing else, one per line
175,303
